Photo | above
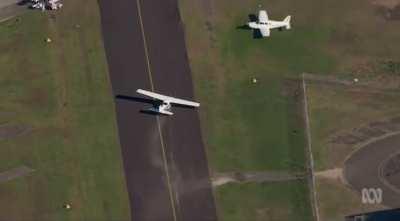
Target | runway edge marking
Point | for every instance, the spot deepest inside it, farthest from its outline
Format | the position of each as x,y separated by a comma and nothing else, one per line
314,197
158,119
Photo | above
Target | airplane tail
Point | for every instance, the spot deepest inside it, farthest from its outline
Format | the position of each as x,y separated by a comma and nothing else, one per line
287,21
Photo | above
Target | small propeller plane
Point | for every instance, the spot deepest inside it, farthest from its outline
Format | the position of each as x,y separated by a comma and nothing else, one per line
46,4
165,104
265,25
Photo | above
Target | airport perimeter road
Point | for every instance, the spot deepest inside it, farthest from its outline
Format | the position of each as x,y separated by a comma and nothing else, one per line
164,158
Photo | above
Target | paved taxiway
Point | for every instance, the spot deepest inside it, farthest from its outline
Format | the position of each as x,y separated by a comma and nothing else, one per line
164,158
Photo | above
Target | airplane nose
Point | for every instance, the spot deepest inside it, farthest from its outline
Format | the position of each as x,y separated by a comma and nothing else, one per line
250,24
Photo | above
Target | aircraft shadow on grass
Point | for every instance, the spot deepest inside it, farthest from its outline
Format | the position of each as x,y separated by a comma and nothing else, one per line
23,2
256,32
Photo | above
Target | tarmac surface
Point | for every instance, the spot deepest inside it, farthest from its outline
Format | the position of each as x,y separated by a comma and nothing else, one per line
5,3
372,167
164,159
10,8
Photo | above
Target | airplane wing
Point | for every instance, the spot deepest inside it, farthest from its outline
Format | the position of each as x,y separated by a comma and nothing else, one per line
167,98
262,16
265,32
182,102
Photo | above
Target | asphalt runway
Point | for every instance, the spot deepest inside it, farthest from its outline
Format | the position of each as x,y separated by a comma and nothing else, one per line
164,158
368,168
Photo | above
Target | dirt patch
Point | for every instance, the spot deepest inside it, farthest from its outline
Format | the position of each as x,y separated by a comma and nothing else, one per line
257,177
292,88
37,97
386,3
373,76
388,9
332,174
15,173
345,142
11,131
364,133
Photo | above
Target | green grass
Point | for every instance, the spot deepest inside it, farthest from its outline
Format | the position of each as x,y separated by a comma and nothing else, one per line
60,89
253,130
254,202
249,126
284,53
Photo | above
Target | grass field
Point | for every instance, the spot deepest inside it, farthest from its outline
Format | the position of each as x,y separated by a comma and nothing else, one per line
253,127
61,92
262,202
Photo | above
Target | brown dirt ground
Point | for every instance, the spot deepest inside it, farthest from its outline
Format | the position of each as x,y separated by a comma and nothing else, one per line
337,200
258,177
333,174
386,3
345,142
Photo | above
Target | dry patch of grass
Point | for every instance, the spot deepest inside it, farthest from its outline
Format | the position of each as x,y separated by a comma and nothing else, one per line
335,200
344,115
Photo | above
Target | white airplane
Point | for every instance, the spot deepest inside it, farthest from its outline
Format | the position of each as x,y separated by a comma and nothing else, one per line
265,25
39,5
43,4
54,4
165,106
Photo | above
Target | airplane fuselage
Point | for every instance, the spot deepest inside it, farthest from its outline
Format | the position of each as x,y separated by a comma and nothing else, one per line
164,103
269,25
165,108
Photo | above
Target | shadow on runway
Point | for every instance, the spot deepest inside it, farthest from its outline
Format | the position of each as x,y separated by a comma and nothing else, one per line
138,99
150,112
183,106
154,103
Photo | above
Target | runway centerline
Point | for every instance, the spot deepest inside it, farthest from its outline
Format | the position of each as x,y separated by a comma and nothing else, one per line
164,159
170,190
